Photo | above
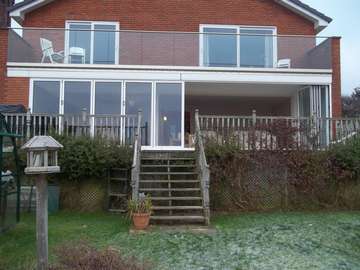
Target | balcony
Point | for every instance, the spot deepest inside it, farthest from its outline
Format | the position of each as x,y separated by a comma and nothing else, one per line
102,46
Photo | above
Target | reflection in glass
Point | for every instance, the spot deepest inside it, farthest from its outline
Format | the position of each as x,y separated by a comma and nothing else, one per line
108,98
76,97
168,114
220,50
104,44
46,95
256,48
138,97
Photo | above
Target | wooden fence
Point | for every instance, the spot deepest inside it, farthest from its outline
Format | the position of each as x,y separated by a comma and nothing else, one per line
275,133
113,127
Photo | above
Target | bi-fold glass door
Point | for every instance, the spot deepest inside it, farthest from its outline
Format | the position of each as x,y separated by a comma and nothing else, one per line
161,104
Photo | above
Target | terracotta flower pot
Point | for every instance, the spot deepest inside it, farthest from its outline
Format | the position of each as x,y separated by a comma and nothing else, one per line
141,221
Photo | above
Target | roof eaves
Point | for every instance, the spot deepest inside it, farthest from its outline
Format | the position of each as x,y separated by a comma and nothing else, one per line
312,10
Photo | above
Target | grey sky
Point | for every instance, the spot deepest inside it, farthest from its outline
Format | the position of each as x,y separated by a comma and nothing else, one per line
346,23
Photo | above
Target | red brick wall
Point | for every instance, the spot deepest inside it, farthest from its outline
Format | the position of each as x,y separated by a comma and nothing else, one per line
336,85
3,56
12,90
172,15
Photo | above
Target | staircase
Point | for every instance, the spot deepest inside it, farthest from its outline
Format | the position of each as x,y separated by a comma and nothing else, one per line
171,179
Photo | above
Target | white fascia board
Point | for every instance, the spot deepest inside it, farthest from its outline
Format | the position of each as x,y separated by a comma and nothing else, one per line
275,77
261,78
319,23
87,67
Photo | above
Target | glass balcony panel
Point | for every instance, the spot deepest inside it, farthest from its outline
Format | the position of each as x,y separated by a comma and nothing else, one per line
215,47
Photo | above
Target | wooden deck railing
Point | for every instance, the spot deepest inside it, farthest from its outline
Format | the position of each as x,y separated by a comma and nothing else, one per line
121,128
275,133
136,165
203,169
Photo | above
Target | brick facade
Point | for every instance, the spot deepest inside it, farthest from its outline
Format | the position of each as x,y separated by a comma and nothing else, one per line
166,15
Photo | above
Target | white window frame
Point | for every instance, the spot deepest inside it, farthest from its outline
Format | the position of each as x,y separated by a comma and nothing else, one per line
92,24
238,28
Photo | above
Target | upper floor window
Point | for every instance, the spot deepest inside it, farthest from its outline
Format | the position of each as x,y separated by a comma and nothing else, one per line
92,42
237,46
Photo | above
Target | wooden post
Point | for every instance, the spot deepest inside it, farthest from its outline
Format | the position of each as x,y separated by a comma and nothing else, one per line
28,124
42,222
254,117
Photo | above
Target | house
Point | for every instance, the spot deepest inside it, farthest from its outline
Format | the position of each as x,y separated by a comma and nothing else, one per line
167,59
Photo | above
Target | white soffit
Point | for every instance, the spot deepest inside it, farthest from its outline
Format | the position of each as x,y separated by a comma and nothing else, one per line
319,23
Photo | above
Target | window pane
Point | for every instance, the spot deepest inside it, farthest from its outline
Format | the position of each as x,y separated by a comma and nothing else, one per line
256,49
104,44
46,96
220,50
138,97
108,98
76,97
79,43
168,114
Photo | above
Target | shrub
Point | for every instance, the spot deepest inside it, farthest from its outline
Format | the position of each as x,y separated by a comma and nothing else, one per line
86,158
293,180
345,160
81,256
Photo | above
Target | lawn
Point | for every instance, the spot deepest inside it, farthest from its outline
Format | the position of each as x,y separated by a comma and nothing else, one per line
247,241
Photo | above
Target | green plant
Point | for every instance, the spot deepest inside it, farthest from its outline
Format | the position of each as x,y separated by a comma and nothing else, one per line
142,205
86,158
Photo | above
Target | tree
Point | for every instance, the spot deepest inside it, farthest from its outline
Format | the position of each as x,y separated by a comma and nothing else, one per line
351,104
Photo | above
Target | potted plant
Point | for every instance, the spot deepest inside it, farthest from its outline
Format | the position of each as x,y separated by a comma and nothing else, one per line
140,211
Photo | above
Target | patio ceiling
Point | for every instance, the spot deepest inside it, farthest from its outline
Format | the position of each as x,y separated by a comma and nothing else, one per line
240,89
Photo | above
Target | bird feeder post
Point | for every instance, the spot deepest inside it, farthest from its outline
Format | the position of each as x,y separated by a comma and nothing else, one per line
42,160
42,221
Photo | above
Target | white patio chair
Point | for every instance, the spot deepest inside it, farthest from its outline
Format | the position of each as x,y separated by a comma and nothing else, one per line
48,52
284,63
77,52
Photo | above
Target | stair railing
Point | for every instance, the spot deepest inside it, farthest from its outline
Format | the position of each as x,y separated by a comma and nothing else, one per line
203,168
135,169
